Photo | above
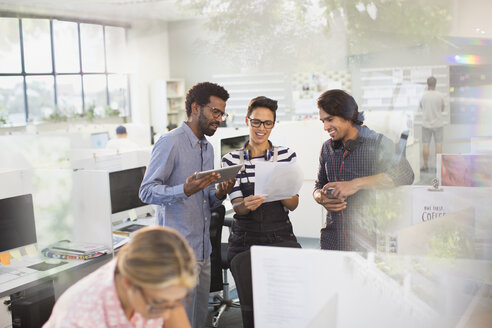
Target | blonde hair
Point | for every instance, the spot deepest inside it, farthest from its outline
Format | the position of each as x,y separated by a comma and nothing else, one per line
158,257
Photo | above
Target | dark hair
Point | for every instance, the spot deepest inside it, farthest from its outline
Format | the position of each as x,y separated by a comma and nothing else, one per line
200,93
339,103
431,82
263,101
120,129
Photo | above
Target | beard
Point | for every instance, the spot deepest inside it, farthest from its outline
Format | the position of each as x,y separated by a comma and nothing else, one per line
205,125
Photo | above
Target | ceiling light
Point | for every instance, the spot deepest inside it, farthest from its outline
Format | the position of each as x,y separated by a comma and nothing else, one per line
372,10
360,7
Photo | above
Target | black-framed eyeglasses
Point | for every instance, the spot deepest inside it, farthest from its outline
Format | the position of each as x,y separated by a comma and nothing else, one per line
155,308
257,123
216,113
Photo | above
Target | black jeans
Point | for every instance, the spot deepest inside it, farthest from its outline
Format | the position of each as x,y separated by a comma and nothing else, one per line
243,240
241,271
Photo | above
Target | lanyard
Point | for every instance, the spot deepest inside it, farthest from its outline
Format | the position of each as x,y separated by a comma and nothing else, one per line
336,180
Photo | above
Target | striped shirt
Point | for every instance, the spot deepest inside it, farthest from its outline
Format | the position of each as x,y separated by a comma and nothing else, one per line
233,158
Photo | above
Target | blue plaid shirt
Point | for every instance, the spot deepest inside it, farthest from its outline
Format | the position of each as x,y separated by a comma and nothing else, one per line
176,156
371,153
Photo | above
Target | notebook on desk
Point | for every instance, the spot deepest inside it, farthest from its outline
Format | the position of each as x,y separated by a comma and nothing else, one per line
43,266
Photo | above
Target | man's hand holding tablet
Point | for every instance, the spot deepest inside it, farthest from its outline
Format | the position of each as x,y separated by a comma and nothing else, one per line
225,176
226,173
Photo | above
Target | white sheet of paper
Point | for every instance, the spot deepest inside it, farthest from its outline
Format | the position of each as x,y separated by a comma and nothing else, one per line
277,180
292,289
279,294
308,288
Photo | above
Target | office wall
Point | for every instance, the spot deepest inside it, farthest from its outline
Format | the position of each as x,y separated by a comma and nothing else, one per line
149,60
192,56
456,136
189,56
470,15
468,26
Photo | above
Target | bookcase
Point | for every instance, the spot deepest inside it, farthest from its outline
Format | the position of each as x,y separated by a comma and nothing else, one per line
167,104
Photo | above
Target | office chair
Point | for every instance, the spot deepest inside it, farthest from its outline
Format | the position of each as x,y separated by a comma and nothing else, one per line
219,266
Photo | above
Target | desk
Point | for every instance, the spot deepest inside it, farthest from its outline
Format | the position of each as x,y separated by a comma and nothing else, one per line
63,275
60,278
73,269
146,221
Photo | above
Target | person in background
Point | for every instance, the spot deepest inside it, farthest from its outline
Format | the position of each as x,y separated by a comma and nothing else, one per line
354,160
256,222
431,105
121,142
185,201
145,285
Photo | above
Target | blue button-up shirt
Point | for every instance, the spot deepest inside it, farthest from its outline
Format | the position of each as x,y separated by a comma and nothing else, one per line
371,154
177,155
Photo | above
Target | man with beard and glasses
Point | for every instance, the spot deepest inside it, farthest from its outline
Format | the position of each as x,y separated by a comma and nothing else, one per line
185,201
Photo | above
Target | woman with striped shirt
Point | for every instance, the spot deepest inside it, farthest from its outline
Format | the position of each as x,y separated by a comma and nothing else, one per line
257,222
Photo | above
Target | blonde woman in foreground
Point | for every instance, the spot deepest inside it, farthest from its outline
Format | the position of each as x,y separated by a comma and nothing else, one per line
146,285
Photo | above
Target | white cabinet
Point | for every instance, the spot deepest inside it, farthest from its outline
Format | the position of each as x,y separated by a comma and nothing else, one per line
167,104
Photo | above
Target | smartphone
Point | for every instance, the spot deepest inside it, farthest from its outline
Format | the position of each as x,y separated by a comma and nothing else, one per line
328,192
402,145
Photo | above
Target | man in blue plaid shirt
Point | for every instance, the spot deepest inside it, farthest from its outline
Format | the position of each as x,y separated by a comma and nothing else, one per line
355,160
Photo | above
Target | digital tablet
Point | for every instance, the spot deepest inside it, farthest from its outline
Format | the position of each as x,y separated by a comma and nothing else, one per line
226,173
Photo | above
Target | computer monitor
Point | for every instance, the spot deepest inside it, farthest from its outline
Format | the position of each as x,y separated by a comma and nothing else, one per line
99,139
124,187
17,227
229,144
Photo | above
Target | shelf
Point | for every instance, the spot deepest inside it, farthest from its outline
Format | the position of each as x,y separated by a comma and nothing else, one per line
241,76
399,88
167,103
255,82
280,106
376,78
255,91
390,69
368,107
404,85
247,99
